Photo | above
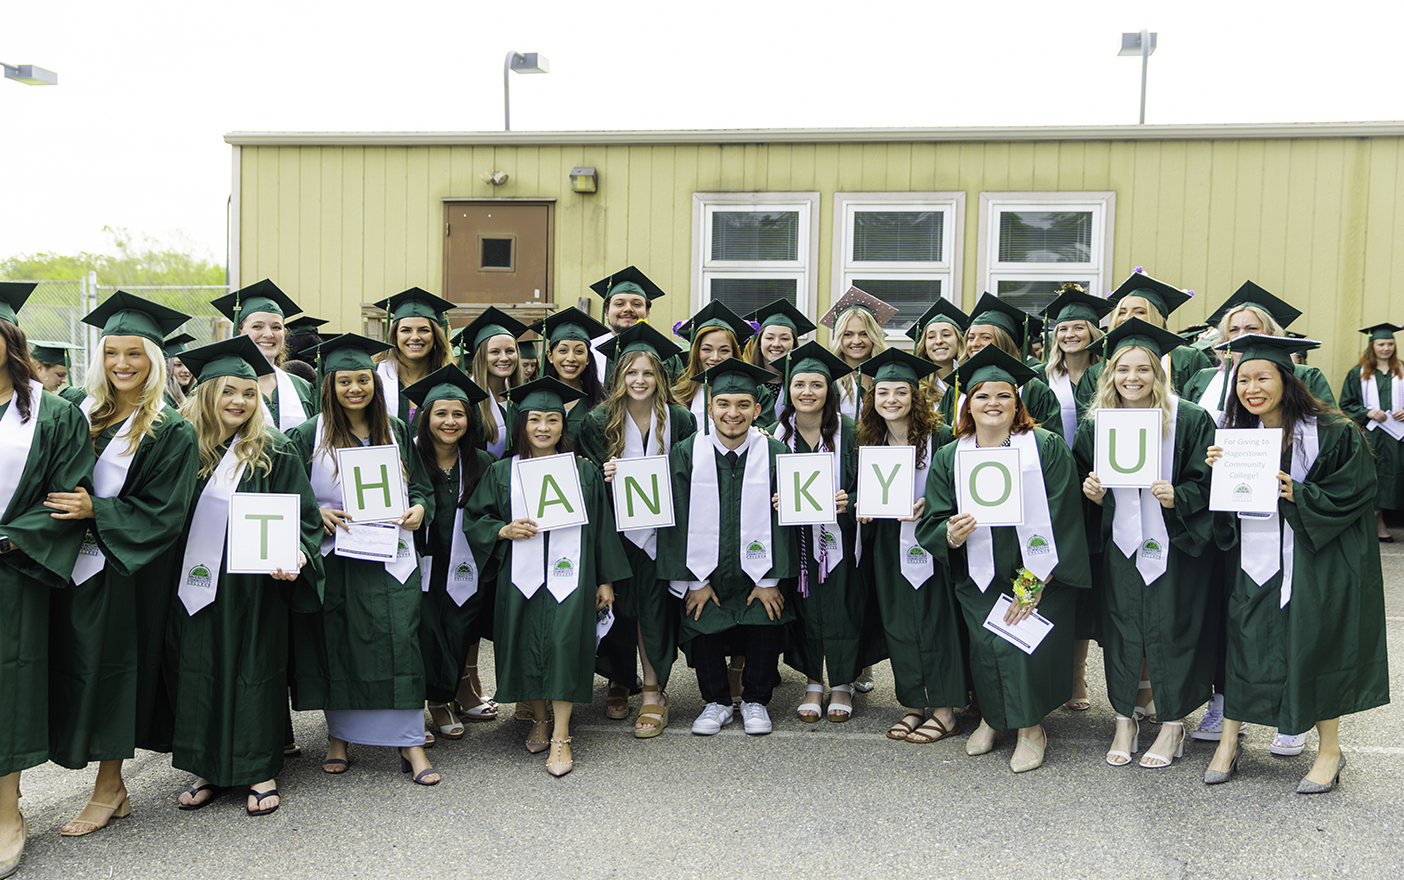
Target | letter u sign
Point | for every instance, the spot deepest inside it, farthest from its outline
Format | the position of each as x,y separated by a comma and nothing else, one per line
1128,447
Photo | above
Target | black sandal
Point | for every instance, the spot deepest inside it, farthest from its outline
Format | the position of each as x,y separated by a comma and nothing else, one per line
262,796
195,790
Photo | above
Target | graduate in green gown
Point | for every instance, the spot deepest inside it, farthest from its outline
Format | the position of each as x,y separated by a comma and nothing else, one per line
939,336
628,297
920,621
1042,562
1373,395
639,418
1159,606
52,361
715,333
779,327
109,687
446,440
550,584
231,630
419,333
179,380
856,334
258,312
357,658
727,555
1306,615
46,450
570,358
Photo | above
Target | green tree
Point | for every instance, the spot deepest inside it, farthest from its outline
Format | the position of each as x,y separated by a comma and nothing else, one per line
148,262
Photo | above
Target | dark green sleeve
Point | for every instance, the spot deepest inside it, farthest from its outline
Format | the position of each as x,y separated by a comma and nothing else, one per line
765,409
1086,388
1065,508
1190,524
1352,403
1184,363
1316,383
672,543
302,441
592,443
940,505
1338,489
287,476
786,563
421,488
307,395
489,509
1084,452
1043,405
1195,385
684,422
610,562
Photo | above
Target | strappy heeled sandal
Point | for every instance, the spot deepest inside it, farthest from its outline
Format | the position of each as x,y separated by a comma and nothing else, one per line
810,710
561,768
653,713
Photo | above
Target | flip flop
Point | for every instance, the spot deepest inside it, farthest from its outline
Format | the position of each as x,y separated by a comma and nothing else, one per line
194,790
262,796
342,762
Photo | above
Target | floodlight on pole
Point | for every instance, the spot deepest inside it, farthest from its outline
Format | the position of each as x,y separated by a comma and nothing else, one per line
1141,43
521,62
30,74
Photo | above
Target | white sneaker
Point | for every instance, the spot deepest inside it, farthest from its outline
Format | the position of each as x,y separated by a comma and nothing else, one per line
1211,726
1288,746
757,720
713,718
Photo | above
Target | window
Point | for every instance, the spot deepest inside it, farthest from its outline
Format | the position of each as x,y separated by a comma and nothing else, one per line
497,252
903,248
1032,243
752,248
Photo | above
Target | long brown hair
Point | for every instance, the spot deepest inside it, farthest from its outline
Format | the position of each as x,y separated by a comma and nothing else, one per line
922,422
471,464
618,404
337,434
589,377
479,374
1367,362
687,386
440,355
830,421
522,446
1023,420
20,367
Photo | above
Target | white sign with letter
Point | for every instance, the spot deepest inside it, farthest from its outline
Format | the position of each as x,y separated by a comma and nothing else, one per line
886,481
988,486
1128,447
643,493
1244,480
264,533
372,483
806,484
550,486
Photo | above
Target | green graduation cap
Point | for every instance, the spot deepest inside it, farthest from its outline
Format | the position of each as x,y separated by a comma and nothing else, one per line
1192,332
547,394
446,383
1013,320
1075,304
1165,297
1381,331
569,323
639,337
735,376
237,356
416,303
1251,294
781,314
627,280
176,344
1261,347
12,298
941,312
304,324
895,365
1134,331
989,364
715,314
527,350
492,322
261,296
126,314
815,358
46,352
349,351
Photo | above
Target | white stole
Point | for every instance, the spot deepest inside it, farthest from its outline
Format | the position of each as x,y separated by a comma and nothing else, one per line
1213,394
290,411
529,555
917,565
463,571
704,520
698,406
389,374
826,536
1038,545
498,446
16,439
109,475
326,484
850,397
1138,526
636,446
1061,383
204,547
1370,392
1262,553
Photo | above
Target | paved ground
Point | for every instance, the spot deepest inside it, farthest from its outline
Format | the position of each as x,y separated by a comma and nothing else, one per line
824,799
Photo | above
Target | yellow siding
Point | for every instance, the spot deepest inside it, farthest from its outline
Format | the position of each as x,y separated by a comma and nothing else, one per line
1316,220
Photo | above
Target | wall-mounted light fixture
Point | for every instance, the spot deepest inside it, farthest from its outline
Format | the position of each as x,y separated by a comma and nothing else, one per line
496,178
583,179
30,74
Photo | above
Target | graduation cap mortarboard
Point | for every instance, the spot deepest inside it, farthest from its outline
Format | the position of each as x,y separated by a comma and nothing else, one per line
446,383
569,324
715,314
125,314
415,303
627,280
855,298
173,346
261,296
1013,320
989,364
547,394
1134,331
895,365
1260,347
527,350
735,376
1251,294
237,356
639,337
1381,331
941,312
1165,297
492,322
51,352
815,358
1074,304
780,313
304,324
349,351
12,298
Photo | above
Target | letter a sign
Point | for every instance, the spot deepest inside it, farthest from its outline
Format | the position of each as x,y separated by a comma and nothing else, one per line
643,493
806,484
1128,447
550,485
989,487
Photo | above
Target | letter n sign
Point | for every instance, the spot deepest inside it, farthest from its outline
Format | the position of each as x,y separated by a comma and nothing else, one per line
1128,447
989,486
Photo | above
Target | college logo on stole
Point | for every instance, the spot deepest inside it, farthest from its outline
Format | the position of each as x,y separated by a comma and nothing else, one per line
563,568
756,550
1037,545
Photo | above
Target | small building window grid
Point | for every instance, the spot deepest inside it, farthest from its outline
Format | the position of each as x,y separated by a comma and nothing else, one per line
1033,243
753,248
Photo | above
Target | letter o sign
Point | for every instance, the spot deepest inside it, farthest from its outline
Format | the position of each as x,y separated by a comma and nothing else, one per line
1001,470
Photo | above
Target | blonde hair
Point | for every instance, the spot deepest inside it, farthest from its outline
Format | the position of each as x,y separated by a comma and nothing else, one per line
1107,397
201,410
845,386
487,418
149,402
617,404
1151,310
1058,360
1270,325
687,386
932,384
1002,340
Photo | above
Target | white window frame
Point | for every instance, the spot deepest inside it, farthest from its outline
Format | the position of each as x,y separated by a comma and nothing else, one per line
947,271
803,270
1097,270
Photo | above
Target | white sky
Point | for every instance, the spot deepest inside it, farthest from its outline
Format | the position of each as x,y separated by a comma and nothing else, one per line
132,135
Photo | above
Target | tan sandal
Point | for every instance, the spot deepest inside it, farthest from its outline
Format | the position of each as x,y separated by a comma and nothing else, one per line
655,715
923,734
538,744
902,728
79,827
617,702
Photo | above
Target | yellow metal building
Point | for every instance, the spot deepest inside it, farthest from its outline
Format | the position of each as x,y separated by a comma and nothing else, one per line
1312,212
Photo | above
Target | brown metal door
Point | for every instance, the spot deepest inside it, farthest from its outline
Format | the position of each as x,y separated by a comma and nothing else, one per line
498,252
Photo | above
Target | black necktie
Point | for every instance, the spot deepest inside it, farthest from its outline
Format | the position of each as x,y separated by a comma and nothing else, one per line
731,458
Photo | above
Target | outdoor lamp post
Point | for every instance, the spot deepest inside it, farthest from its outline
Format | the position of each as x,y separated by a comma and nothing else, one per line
29,74
1143,44
521,62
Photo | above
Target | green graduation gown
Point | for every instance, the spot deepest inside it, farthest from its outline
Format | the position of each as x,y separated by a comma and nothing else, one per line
360,650
306,395
544,649
1389,453
444,625
60,459
642,604
110,682
1171,621
1015,689
1038,398
1323,655
231,678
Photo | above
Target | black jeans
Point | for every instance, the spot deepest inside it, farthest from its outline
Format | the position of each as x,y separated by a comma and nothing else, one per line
761,646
